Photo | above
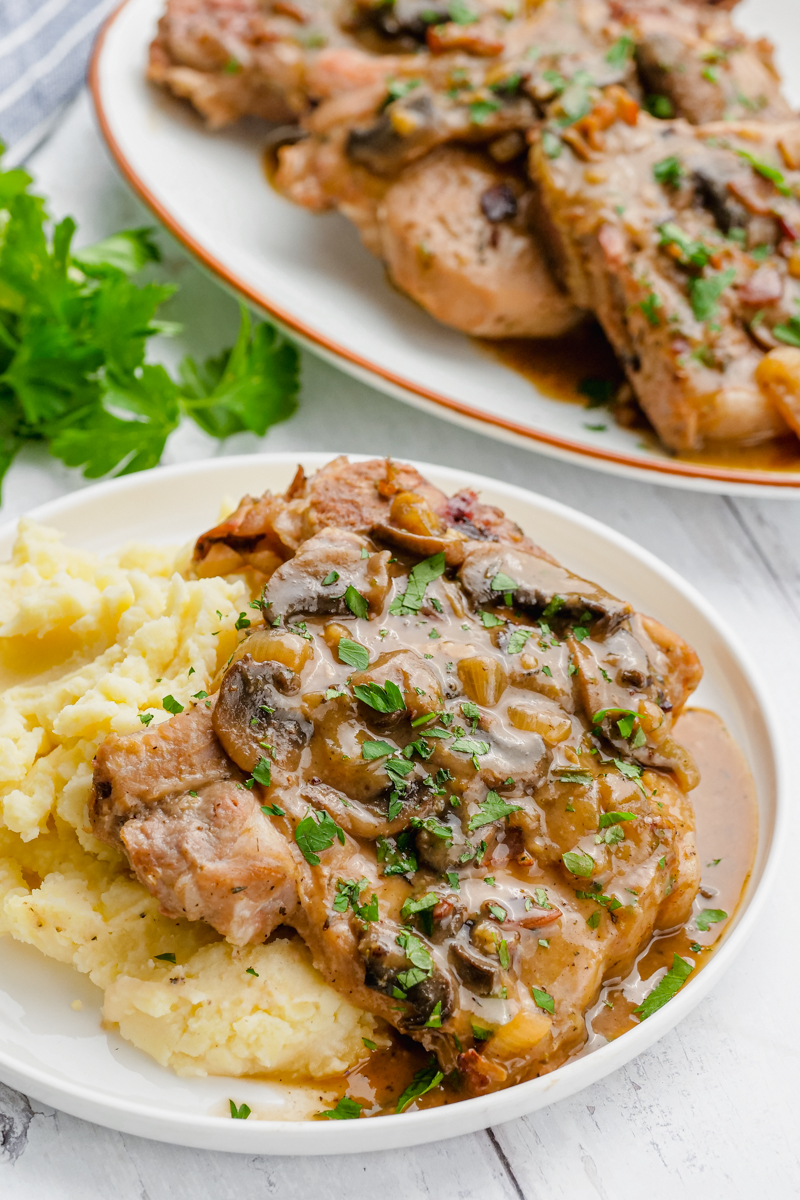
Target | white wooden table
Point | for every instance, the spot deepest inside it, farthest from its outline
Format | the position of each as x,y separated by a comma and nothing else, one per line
711,1111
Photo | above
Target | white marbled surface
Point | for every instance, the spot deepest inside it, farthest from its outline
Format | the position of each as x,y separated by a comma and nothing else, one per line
712,1111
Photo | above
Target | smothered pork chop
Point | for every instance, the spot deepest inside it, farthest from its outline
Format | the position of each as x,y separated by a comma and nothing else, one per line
442,758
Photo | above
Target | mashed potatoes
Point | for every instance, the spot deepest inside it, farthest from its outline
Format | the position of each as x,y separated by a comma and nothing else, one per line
91,645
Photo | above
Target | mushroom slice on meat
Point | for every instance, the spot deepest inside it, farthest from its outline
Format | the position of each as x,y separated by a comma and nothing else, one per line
370,819
317,579
255,709
417,683
394,960
479,974
487,570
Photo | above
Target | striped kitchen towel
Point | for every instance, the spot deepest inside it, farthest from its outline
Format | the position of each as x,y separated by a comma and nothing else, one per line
44,49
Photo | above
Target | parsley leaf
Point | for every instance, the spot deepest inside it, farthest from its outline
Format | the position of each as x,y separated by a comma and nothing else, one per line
418,956
543,999
421,575
398,858
493,808
767,172
669,171
412,906
709,917
666,988
355,602
613,818
516,643
704,294
168,957
353,653
262,772
316,832
424,1081
503,583
465,745
346,1109
241,1113
372,750
172,705
490,621
578,863
582,777
384,699
274,810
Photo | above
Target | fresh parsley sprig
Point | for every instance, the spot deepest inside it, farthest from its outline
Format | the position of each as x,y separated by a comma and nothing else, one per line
73,334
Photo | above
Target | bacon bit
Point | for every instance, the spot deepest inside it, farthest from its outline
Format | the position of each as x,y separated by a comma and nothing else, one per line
763,287
479,1072
535,918
481,38
442,910
524,859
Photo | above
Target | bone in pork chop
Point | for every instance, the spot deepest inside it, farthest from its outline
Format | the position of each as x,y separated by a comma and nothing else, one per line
460,787
683,241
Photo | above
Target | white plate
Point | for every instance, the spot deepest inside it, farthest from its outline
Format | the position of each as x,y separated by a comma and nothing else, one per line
312,274
65,1059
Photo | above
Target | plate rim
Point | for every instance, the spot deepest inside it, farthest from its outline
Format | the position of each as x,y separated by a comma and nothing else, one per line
656,471
467,1116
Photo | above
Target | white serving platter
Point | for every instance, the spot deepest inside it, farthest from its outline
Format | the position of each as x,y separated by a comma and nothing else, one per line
64,1058
312,275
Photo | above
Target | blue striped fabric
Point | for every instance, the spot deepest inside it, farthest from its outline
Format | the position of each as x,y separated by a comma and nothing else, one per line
44,49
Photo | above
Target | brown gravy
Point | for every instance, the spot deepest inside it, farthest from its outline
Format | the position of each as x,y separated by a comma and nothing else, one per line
727,832
558,366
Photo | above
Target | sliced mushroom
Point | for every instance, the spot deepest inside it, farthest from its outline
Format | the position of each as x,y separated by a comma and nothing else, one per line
477,972
317,578
254,711
412,675
370,819
385,959
440,852
537,584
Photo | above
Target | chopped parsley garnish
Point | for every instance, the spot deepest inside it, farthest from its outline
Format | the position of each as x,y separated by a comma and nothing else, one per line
666,988
465,745
424,1081
348,893
493,808
659,106
650,306
541,898
242,621
273,810
453,880
503,954
704,293
355,602
353,654
168,957
789,331
434,1021
201,695
543,999
692,253
316,832
262,772
172,705
251,971
397,88
471,712
480,1034
551,144
578,863
669,172
368,1042
346,1109
767,172
396,856
418,956
384,699
145,718
398,768
481,110
709,917
516,643
490,621
613,818
503,583
582,777
372,750
331,577
421,575
412,906
241,1113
